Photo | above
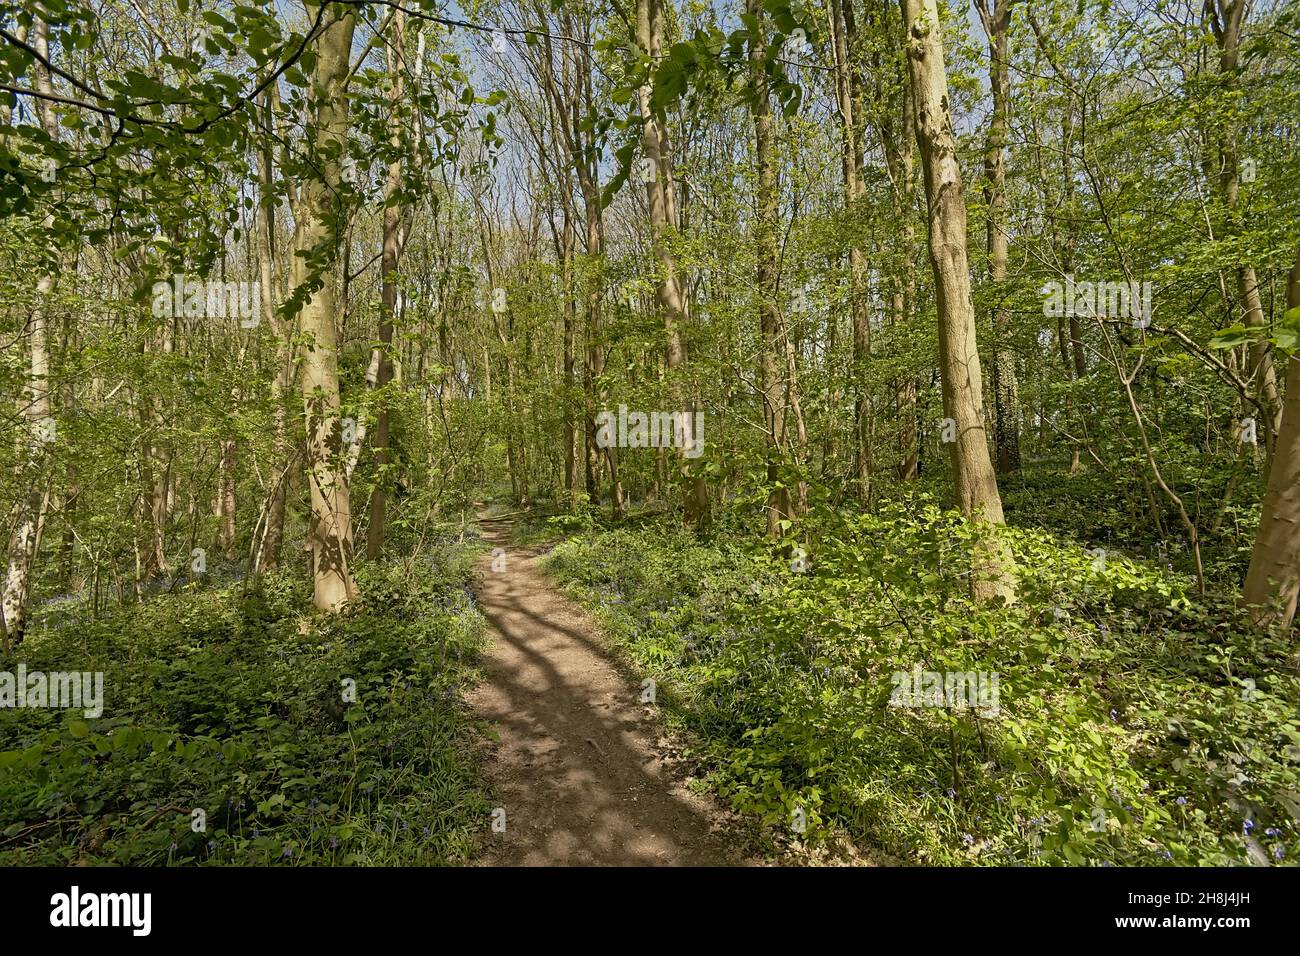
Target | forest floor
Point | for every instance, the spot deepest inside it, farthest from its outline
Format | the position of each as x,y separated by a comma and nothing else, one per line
581,767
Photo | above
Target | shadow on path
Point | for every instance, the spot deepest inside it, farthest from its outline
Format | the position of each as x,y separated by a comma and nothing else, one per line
578,769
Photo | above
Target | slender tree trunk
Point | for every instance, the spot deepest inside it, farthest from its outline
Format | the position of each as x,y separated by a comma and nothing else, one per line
974,480
267,556
1226,18
779,505
568,248
587,173
571,97
315,238
393,241
1006,401
29,513
851,168
226,505
670,286
158,464
899,148
595,351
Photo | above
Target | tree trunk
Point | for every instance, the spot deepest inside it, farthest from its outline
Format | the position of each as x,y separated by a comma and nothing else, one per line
899,148
851,169
973,478
571,98
1273,580
315,240
779,505
595,352
1226,17
29,512
391,253
568,249
226,506
267,556
1006,400
670,286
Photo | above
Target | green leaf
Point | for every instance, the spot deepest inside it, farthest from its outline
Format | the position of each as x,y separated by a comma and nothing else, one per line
1230,337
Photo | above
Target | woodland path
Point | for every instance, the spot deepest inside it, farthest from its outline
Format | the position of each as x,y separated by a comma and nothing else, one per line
581,769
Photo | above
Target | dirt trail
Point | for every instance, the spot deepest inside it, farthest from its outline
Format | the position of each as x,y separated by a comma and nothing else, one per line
580,769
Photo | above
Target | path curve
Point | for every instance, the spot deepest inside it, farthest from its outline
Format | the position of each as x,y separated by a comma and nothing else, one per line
581,769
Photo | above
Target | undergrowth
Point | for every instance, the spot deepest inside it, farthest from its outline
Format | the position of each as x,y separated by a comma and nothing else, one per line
229,735
1136,723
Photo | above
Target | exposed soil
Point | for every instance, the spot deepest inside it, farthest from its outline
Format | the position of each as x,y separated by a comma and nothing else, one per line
582,768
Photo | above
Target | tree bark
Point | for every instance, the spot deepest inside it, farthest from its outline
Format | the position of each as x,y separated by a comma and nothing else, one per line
779,505
393,241
849,101
899,149
1226,18
671,292
226,504
315,244
974,480
1006,400
568,249
267,556
1273,579
571,97
29,512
